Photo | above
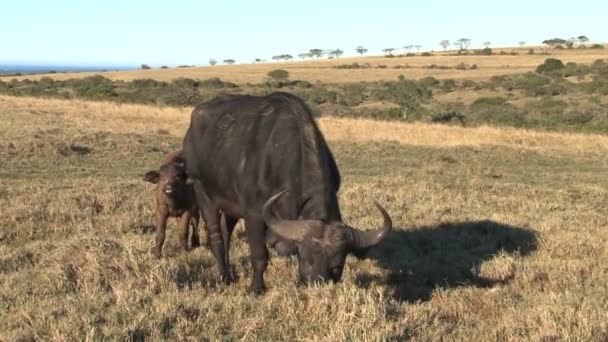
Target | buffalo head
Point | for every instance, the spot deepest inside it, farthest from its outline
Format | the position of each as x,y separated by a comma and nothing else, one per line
321,246
170,179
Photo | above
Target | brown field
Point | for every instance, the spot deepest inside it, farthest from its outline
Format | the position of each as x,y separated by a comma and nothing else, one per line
323,70
500,236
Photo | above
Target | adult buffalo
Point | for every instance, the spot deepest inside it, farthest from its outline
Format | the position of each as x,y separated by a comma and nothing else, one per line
242,152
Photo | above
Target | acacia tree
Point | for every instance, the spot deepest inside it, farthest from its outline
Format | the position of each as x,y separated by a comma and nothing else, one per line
361,50
305,55
388,51
316,52
229,61
212,62
444,43
582,39
463,43
407,48
337,53
522,43
555,42
487,44
417,47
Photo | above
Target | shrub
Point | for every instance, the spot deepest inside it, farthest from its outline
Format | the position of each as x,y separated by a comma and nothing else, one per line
352,94
216,83
596,46
573,69
600,68
180,96
550,65
354,65
448,85
426,54
429,81
447,117
145,67
185,82
407,94
485,52
469,84
489,101
278,74
93,87
146,83
530,51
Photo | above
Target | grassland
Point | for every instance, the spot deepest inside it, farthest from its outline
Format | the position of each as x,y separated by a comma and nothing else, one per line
500,235
324,70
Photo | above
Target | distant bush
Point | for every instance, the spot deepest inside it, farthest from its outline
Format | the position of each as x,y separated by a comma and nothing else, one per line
484,52
318,95
183,82
489,101
448,85
164,67
426,54
381,66
599,68
429,81
216,83
469,84
354,65
408,94
550,65
93,87
352,94
435,66
146,83
181,96
278,74
145,67
574,69
596,46
448,117
530,51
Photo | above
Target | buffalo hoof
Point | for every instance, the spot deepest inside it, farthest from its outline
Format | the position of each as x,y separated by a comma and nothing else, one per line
257,289
232,272
228,278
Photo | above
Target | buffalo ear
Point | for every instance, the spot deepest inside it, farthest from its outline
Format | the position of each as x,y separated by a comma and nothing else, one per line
152,176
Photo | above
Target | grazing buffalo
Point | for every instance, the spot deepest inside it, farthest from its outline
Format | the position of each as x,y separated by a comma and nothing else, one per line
174,198
263,158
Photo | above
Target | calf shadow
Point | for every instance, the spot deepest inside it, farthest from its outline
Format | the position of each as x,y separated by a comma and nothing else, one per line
444,256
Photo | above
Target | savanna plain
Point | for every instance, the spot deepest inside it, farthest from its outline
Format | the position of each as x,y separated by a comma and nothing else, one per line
500,232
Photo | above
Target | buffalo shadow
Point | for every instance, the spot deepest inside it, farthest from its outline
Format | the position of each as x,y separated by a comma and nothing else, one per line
446,255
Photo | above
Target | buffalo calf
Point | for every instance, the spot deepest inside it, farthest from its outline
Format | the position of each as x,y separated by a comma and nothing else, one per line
174,198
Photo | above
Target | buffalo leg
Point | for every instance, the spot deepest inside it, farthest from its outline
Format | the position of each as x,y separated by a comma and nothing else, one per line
183,225
259,254
211,215
195,238
227,229
161,227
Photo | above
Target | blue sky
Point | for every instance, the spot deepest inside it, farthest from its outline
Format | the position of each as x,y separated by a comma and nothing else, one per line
176,32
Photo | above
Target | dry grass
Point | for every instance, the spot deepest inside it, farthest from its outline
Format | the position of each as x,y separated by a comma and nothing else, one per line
324,71
500,236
